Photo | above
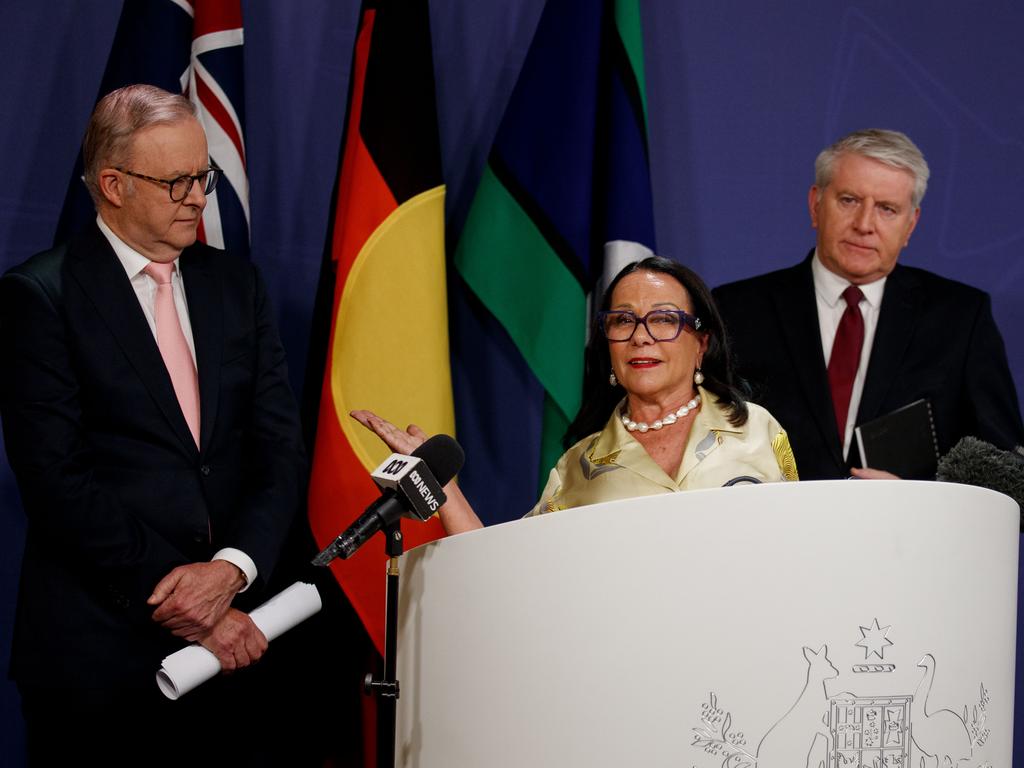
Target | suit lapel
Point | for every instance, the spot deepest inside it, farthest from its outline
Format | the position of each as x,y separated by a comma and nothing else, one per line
102,278
202,290
897,320
797,311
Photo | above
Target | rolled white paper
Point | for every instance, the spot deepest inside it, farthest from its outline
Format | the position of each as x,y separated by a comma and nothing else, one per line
185,669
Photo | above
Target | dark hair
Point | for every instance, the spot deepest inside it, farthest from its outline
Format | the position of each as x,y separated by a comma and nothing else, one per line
600,399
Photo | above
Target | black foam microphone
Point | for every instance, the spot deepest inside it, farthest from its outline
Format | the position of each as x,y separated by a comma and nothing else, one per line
412,488
975,462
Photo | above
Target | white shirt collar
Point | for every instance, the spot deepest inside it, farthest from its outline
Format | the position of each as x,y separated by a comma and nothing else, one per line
829,286
132,261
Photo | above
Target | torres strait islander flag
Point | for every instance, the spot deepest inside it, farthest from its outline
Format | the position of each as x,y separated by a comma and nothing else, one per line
192,47
387,349
564,202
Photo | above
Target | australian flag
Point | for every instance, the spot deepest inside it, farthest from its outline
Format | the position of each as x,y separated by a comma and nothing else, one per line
192,47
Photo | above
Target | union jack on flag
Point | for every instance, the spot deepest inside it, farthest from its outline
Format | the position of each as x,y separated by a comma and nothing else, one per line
194,47
213,81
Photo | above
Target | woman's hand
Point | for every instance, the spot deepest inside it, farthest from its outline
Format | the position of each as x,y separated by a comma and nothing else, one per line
398,441
456,514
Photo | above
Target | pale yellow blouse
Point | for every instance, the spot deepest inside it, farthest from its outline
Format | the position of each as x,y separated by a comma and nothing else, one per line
611,464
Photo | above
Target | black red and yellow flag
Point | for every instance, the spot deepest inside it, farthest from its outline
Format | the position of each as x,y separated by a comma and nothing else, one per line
387,348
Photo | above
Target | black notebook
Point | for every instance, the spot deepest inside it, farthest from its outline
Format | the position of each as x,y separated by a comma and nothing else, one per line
902,442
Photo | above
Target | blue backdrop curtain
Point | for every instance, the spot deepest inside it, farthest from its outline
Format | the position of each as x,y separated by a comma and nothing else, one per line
741,97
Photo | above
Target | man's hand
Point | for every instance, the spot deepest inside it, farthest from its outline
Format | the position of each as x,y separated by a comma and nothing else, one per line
235,641
872,474
192,599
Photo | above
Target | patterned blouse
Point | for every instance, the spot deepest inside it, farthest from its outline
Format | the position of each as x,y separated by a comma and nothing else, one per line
611,464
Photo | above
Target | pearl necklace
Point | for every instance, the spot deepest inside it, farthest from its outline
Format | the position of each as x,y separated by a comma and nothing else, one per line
665,421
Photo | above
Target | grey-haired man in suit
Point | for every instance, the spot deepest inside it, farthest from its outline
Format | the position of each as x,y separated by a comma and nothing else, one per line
149,422
849,334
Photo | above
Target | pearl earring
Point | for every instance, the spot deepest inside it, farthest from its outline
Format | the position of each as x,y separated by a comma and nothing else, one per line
612,380
698,377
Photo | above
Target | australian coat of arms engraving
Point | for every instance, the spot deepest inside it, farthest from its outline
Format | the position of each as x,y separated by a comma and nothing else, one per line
873,726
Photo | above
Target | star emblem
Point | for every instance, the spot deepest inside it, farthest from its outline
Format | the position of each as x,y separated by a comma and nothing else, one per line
874,640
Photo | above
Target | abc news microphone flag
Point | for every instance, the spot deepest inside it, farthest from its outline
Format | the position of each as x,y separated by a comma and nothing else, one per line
192,47
387,343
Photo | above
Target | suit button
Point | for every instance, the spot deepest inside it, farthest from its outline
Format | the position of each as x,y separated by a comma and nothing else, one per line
205,470
200,538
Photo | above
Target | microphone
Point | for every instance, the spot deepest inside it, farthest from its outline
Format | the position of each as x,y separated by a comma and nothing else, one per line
412,488
975,462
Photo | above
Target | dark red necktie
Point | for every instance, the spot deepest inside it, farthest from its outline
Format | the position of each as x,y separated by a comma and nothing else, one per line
842,366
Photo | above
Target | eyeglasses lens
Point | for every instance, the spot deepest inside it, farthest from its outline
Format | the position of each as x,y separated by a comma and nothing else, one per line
182,185
661,325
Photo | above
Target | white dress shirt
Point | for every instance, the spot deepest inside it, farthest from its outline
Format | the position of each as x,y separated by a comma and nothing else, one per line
134,264
828,292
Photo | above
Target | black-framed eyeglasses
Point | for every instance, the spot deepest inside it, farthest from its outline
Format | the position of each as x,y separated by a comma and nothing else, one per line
661,324
179,187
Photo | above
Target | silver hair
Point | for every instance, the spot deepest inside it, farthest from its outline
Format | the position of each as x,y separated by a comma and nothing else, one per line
893,148
117,118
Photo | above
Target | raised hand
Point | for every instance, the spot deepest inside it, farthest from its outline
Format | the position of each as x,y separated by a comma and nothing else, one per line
398,441
456,514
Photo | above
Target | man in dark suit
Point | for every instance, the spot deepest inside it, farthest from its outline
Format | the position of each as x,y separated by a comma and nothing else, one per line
149,421
849,335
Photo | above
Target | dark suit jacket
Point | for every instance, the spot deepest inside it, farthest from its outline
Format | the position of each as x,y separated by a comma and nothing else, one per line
116,491
935,339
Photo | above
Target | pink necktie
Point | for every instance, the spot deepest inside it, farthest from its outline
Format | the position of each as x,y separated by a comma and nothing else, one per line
173,347
842,366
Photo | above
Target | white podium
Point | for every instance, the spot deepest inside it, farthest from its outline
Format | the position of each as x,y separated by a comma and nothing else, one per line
837,624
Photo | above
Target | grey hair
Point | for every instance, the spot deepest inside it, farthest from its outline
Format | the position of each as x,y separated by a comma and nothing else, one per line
117,118
893,148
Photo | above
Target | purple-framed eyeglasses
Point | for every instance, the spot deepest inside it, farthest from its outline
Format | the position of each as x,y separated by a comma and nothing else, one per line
661,324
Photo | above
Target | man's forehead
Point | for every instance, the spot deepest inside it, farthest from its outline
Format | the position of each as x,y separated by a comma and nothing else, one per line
179,142
856,169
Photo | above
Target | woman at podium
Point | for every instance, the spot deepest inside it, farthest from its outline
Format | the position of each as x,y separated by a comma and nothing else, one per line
661,411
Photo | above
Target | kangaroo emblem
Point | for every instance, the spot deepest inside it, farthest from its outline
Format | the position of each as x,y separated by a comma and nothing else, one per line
791,741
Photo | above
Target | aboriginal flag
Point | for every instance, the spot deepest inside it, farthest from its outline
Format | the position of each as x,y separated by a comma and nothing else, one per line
386,333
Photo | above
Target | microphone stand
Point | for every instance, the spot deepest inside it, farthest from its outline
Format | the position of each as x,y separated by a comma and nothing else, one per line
386,689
